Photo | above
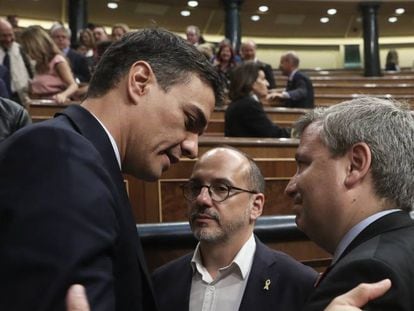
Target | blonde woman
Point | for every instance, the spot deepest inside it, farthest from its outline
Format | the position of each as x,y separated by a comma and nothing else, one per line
53,77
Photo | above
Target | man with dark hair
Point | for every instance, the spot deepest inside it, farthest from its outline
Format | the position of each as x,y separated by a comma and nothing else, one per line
299,90
64,210
230,268
352,195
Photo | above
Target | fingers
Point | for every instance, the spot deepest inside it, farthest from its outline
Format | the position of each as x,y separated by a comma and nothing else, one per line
359,296
76,299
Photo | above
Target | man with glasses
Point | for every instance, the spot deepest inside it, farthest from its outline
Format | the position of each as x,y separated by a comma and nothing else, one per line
230,268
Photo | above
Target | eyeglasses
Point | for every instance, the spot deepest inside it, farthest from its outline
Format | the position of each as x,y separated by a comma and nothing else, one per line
218,192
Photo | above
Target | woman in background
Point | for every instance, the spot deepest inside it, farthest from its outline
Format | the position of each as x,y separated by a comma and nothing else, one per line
245,116
53,77
118,30
225,61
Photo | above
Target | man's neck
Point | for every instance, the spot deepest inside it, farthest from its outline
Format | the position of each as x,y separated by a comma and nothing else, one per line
221,254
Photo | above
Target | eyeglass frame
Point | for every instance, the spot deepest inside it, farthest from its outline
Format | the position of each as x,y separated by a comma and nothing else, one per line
229,189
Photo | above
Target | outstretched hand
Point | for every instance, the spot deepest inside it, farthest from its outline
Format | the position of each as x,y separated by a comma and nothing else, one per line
359,296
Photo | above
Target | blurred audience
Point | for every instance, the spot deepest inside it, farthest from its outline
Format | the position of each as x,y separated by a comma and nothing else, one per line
194,35
78,63
392,63
248,53
53,78
245,116
299,89
86,43
118,30
225,62
99,33
16,61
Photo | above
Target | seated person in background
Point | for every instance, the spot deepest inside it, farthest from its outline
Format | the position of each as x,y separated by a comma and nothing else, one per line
53,78
224,62
391,63
78,63
118,30
248,53
12,117
225,197
299,89
245,116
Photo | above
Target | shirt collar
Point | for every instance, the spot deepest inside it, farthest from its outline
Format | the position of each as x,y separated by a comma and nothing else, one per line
292,74
112,140
243,260
357,229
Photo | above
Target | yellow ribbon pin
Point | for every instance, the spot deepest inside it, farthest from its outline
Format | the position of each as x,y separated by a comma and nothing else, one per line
267,284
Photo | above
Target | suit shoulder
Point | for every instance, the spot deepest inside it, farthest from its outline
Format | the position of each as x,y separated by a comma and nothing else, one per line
287,264
176,266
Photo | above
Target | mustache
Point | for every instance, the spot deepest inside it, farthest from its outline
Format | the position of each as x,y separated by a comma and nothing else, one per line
197,213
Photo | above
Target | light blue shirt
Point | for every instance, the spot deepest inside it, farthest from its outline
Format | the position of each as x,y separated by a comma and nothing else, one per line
357,229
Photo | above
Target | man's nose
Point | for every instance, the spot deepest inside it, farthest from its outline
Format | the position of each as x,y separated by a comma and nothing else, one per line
290,189
190,146
204,197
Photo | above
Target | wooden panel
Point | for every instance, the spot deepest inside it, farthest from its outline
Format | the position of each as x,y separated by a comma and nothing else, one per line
255,147
367,88
276,114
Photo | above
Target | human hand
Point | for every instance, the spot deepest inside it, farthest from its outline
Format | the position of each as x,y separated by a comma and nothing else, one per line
76,299
60,98
359,296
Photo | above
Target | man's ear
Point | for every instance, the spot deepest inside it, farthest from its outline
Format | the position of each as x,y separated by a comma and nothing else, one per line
359,156
257,206
140,77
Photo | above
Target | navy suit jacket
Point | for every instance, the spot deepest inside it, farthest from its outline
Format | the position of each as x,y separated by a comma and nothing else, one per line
300,90
65,218
291,282
385,249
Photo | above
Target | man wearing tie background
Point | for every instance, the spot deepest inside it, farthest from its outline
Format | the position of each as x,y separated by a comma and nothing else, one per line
16,61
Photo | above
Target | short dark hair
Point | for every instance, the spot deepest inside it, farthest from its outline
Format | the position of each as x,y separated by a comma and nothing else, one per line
242,78
171,58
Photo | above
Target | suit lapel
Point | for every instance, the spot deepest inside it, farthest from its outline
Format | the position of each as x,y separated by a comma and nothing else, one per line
389,222
262,282
88,126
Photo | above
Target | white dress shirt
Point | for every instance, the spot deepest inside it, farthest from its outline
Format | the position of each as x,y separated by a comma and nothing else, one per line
224,293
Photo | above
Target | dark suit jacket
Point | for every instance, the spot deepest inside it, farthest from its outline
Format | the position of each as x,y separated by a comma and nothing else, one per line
245,117
385,249
268,71
65,218
300,90
291,282
79,65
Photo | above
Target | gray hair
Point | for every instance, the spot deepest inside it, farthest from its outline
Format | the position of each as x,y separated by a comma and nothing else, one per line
387,127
